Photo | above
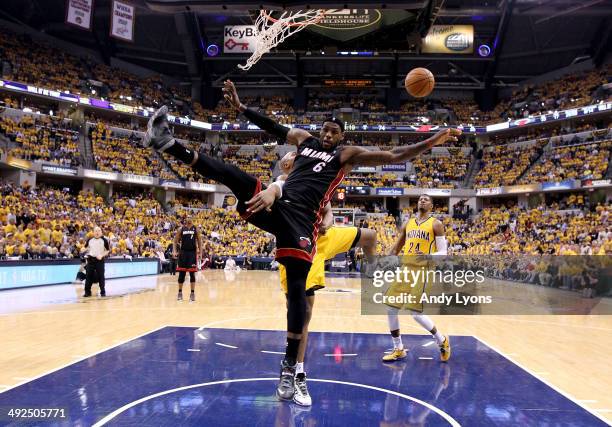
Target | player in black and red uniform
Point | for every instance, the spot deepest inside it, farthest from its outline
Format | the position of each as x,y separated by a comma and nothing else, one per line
295,218
190,245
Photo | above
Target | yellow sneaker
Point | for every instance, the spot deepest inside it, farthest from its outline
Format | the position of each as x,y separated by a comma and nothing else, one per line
445,349
396,355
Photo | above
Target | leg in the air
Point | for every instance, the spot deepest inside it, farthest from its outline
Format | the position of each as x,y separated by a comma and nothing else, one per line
160,138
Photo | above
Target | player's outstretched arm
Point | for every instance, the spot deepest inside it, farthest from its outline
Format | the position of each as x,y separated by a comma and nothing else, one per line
293,136
360,156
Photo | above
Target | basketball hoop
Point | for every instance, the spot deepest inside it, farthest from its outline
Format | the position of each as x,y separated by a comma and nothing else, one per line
271,32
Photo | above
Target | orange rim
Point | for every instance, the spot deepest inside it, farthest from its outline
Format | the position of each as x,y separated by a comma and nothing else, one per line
309,21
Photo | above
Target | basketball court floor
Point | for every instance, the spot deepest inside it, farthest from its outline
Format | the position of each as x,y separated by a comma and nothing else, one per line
139,357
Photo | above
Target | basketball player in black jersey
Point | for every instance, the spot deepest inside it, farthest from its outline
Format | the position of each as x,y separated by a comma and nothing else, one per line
190,245
295,218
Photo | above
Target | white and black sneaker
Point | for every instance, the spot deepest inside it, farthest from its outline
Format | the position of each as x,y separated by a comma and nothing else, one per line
158,135
286,383
301,396
179,296
192,297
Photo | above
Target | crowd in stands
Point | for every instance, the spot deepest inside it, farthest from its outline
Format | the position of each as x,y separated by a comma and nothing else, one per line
429,172
503,165
369,139
413,138
371,180
326,100
569,91
386,230
119,121
50,138
510,229
51,223
577,89
38,63
182,170
188,201
41,137
574,162
31,61
122,154
438,171
467,111
259,165
567,201
362,206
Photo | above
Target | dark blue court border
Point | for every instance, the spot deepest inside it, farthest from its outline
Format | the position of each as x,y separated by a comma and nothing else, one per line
478,387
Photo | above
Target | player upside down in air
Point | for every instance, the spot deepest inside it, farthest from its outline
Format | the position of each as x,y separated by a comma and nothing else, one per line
421,234
295,219
331,242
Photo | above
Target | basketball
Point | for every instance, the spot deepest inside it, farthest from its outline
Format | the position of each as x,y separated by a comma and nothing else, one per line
419,82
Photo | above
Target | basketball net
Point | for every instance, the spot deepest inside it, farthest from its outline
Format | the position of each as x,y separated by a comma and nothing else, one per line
270,32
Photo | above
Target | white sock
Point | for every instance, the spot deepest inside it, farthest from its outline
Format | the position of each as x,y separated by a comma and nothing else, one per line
428,324
397,343
423,320
299,368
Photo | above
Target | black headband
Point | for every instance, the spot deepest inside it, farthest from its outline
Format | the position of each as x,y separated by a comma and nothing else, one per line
336,121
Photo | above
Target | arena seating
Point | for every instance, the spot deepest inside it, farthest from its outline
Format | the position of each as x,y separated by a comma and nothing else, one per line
42,138
532,231
49,222
43,65
182,170
588,161
124,155
504,164
439,172
37,63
